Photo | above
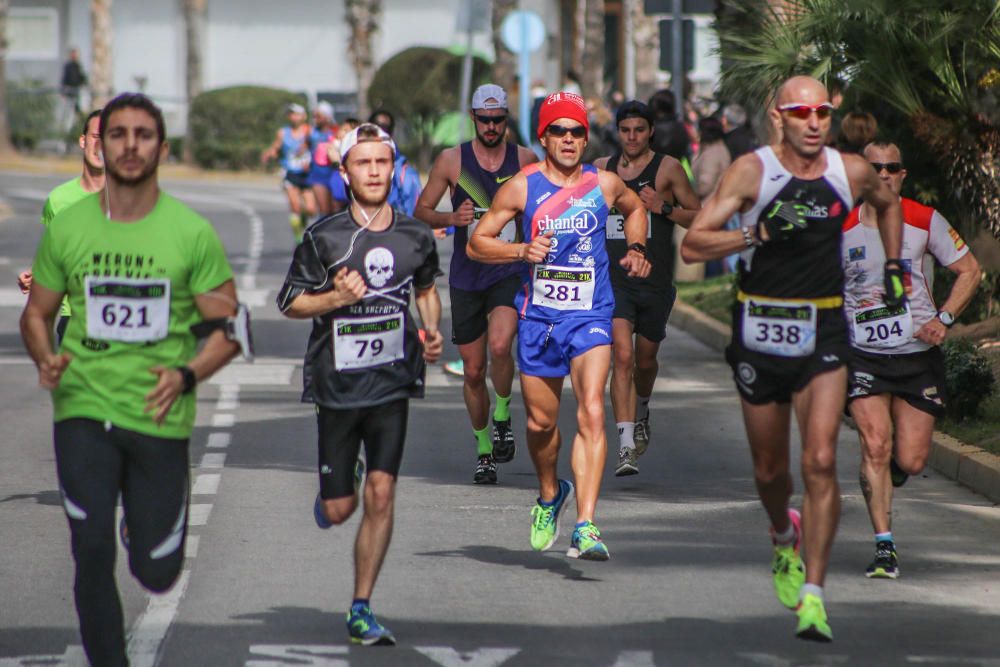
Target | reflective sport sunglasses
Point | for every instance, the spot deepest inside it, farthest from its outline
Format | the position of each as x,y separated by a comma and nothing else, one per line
578,132
803,111
496,120
891,167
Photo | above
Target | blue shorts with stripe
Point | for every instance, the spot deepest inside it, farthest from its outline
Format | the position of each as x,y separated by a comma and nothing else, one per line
545,349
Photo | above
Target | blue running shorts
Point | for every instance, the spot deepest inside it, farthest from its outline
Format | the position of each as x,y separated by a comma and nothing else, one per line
545,349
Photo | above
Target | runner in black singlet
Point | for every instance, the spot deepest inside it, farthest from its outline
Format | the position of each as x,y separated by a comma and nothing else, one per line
642,305
790,346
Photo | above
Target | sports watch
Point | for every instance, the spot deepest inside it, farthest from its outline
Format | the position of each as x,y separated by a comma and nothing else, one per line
639,248
946,318
189,379
666,210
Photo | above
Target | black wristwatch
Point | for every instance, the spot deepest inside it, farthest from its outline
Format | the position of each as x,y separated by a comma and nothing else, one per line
946,318
189,379
639,248
666,210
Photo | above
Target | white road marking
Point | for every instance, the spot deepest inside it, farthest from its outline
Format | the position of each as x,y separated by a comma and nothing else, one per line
11,297
191,543
213,460
219,440
635,659
297,654
198,514
206,485
446,656
224,420
151,627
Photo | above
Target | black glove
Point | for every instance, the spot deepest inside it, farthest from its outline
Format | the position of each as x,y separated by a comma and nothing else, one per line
892,276
783,220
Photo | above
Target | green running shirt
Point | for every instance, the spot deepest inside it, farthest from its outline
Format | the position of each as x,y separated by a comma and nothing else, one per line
63,196
136,313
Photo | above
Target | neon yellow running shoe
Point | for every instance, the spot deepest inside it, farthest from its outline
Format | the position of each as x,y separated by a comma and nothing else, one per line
812,620
787,568
545,518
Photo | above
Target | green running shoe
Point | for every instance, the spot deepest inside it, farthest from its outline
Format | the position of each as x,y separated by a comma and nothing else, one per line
587,544
812,620
545,518
787,567
641,435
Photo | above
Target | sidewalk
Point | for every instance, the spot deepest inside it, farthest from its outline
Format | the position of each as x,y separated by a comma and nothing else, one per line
971,466
169,170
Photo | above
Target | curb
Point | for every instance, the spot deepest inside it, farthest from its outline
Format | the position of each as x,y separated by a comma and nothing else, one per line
970,466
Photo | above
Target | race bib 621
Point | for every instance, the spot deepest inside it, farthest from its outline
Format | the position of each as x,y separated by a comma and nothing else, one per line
133,310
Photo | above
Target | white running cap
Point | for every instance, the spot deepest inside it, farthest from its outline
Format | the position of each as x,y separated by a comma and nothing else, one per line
486,92
351,140
295,108
325,108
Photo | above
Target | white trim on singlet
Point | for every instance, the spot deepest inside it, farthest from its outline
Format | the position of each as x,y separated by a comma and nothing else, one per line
774,177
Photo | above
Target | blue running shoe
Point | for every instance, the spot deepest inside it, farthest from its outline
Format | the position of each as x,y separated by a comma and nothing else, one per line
319,515
545,518
365,629
587,543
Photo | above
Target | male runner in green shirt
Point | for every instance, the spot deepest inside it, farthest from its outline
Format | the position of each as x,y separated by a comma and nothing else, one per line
140,269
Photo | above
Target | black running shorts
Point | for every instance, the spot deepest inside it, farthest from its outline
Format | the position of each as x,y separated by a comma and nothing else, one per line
382,428
918,378
470,310
297,179
765,378
648,309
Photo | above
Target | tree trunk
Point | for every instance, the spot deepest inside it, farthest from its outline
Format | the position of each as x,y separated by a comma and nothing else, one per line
194,41
505,63
6,147
101,69
647,52
363,18
592,72
579,33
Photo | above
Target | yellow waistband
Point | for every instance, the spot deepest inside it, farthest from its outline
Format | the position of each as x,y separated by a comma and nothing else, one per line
821,302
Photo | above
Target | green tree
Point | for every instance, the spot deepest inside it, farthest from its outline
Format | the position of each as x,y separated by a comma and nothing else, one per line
363,18
927,68
5,145
421,101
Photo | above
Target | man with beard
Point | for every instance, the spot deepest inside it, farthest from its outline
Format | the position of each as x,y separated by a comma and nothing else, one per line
482,296
565,306
353,275
70,192
140,269
790,345
642,305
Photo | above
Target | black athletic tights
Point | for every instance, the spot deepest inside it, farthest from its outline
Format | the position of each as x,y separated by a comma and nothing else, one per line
95,462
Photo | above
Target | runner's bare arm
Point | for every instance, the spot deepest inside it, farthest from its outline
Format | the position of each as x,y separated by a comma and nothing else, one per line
706,239
428,303
36,332
271,151
672,182
967,277
484,246
215,352
865,184
348,288
441,179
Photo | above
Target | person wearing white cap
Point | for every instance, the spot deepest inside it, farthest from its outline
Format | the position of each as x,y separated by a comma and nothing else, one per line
323,134
482,296
352,276
291,148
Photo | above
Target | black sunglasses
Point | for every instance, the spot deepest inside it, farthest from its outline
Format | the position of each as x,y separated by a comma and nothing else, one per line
578,132
891,167
496,120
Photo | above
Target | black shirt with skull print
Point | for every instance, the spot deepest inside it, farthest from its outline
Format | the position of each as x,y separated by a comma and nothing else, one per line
368,353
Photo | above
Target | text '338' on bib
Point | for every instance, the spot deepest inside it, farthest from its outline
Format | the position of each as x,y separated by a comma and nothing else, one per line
563,287
782,328
883,327
365,342
131,310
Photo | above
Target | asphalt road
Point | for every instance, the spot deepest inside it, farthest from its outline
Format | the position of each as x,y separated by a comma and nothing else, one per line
688,582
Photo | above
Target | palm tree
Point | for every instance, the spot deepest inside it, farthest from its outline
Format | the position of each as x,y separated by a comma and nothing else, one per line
363,18
5,145
927,65
194,37
101,71
592,54
646,35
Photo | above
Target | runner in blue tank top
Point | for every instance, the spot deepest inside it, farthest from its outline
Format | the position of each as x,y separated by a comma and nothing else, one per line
790,343
291,148
565,306
482,295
